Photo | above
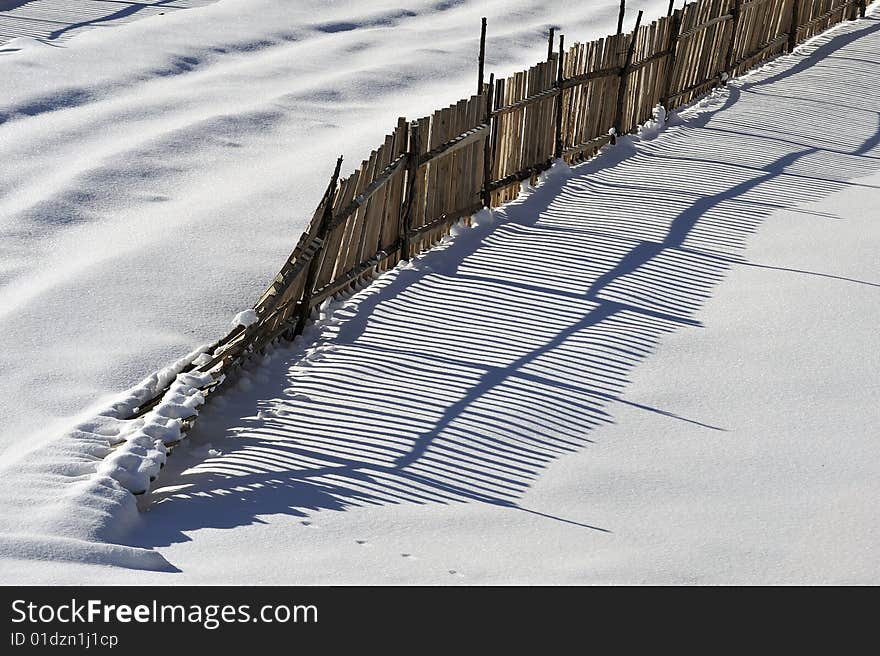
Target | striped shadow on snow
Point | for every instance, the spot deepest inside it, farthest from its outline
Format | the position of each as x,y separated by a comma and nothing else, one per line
460,377
53,20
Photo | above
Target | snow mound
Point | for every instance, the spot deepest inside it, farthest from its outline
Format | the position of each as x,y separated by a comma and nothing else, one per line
142,453
245,318
136,463
78,487
16,547
652,128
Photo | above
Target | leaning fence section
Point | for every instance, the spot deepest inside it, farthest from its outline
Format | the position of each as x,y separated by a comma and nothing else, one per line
429,173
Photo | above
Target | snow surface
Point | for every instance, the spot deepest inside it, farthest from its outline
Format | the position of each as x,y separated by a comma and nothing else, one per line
684,391
155,175
244,318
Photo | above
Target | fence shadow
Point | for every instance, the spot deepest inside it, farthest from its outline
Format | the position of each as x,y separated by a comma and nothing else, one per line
51,20
460,377
116,11
7,5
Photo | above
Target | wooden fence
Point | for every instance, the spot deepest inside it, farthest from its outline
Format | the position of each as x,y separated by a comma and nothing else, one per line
430,172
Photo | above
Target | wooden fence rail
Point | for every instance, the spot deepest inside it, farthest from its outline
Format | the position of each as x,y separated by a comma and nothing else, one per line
433,171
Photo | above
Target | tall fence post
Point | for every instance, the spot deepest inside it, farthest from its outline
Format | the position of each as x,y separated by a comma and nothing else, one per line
305,309
482,62
795,23
557,148
550,43
674,36
620,16
863,4
728,60
624,79
671,7
412,170
488,152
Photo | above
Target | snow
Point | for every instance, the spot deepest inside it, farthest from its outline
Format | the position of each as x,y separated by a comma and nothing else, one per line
654,126
156,174
245,318
135,464
682,389
141,443
77,487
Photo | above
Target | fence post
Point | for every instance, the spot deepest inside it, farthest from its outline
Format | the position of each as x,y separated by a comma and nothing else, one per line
728,61
305,309
862,8
620,16
674,35
412,170
557,149
793,28
487,144
671,7
624,78
550,43
482,57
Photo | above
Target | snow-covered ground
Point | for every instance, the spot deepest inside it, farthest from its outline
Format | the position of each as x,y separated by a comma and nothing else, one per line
684,390
154,175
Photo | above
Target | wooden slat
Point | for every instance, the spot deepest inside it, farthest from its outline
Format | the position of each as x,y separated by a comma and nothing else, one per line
432,183
519,176
352,185
598,142
369,242
448,219
462,140
663,54
611,71
777,42
353,222
538,97
706,25
421,181
812,23
352,275
381,180
394,198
